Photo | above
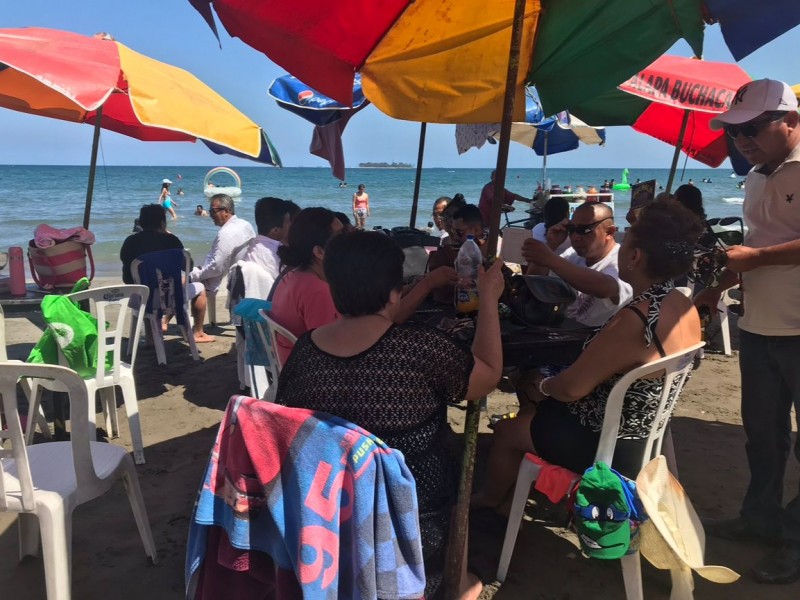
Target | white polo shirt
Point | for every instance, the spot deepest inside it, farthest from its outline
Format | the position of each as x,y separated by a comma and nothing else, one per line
772,215
588,309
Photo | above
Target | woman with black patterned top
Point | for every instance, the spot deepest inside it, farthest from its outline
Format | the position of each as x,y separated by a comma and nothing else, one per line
659,320
395,380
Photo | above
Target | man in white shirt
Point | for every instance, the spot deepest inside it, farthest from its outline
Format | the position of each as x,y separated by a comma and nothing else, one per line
589,267
229,245
764,124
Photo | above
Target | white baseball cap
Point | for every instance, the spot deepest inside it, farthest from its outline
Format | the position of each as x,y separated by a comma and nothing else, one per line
756,98
166,181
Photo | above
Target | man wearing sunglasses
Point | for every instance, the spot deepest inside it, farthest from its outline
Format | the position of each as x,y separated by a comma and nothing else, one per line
590,266
229,245
765,127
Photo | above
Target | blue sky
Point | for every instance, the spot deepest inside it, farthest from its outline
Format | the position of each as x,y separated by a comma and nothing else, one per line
172,31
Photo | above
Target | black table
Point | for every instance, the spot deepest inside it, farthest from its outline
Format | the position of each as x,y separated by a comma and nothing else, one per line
524,347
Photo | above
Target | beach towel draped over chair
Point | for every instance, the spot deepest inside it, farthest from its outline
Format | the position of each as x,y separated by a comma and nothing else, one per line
313,494
164,274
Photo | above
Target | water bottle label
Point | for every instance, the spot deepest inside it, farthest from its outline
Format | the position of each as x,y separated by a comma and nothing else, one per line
466,300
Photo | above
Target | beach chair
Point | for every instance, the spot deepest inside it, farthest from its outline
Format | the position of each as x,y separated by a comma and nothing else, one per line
269,331
40,420
675,368
44,483
164,273
103,301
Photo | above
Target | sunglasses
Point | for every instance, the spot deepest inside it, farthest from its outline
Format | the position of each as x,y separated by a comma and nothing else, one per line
729,237
216,209
584,229
751,130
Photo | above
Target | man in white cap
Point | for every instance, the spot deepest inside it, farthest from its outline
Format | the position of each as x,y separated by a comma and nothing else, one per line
764,124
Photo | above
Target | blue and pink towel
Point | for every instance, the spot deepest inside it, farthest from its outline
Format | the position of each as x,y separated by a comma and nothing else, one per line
323,498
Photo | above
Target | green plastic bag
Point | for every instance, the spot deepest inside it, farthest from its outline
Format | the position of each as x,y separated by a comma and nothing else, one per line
72,330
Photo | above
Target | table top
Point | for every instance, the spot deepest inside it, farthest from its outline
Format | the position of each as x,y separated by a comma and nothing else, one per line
32,299
524,347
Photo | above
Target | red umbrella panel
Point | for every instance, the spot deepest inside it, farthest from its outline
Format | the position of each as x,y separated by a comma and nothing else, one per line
676,86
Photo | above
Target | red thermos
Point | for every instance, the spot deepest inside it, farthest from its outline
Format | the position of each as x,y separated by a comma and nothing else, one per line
16,268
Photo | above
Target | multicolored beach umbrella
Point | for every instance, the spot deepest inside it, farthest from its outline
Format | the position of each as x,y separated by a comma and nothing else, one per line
445,61
96,80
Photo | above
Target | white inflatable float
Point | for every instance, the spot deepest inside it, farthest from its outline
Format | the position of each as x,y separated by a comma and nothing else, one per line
209,188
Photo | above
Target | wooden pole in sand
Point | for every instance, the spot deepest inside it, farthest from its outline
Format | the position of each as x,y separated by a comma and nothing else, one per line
457,549
87,209
418,180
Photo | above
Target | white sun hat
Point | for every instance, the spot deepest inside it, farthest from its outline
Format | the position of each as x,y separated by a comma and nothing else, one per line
673,537
166,181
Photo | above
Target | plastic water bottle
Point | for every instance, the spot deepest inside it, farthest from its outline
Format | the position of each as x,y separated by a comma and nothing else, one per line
16,269
468,261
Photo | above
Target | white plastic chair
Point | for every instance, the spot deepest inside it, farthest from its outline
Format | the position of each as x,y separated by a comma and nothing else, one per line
45,482
109,339
270,340
676,367
163,299
513,239
40,421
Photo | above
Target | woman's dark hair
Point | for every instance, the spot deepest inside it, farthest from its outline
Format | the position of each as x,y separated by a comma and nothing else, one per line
362,268
692,198
344,219
311,228
555,211
666,232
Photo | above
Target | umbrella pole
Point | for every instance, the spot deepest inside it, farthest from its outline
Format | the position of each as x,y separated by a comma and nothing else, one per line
87,210
544,162
677,154
418,179
457,549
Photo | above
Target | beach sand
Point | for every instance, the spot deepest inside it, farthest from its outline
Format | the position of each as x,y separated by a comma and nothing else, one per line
181,405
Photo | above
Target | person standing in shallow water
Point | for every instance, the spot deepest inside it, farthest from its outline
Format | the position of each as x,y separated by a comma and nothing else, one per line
361,206
165,200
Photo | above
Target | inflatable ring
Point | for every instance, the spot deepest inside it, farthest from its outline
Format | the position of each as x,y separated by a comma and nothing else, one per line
232,191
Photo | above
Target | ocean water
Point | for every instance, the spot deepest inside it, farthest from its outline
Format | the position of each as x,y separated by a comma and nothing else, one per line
30,195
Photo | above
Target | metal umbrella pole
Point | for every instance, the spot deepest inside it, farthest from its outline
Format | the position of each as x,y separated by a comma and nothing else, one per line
456,555
418,179
87,209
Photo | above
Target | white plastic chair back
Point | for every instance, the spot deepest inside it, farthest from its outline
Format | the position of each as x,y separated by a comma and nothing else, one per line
415,262
70,381
110,331
276,329
676,368
513,239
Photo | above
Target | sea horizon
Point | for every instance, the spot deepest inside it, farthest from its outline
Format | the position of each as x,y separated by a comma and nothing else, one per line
55,195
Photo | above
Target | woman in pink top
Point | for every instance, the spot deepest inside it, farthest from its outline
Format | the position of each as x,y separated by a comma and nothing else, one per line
361,206
302,299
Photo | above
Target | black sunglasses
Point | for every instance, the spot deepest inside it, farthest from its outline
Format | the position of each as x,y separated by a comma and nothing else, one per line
751,130
216,209
584,229
729,237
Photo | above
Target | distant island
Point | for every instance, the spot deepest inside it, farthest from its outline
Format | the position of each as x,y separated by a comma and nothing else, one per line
385,165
